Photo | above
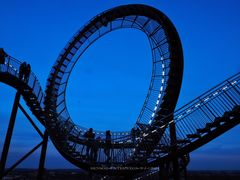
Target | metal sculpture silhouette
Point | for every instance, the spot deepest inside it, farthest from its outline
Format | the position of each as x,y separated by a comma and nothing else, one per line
160,137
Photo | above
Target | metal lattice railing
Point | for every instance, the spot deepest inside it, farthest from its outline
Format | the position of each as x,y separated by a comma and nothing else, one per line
12,66
205,109
195,119
161,59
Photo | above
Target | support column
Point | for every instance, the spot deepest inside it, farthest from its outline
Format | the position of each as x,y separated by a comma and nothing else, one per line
175,163
163,171
9,133
41,168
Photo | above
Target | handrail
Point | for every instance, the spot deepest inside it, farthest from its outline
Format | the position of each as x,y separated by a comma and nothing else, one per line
208,92
12,66
196,100
204,109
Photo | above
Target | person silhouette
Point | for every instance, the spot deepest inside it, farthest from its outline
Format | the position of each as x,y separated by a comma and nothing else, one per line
96,148
108,145
89,135
22,71
3,55
27,73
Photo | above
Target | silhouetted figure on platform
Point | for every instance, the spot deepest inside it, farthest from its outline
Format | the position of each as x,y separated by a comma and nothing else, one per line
3,55
108,145
22,70
133,134
89,135
96,148
27,73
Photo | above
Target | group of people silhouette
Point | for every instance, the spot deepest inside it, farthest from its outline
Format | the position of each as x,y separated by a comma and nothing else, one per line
93,145
24,70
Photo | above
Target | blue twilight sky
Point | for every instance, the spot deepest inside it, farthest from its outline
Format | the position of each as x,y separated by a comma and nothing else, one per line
108,86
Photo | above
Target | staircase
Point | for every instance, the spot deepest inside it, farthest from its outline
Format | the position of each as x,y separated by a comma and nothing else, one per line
197,123
200,121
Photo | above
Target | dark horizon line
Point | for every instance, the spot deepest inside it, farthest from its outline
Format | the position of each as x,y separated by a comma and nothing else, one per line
77,169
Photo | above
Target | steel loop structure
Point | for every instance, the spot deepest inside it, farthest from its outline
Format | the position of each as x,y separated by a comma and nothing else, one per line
164,137
167,60
167,63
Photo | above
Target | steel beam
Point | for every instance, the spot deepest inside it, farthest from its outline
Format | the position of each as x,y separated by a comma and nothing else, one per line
43,156
9,133
22,159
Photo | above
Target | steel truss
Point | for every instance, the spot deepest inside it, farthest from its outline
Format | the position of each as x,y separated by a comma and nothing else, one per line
43,144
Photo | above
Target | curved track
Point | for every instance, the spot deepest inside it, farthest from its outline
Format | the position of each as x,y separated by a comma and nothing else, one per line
197,123
164,88
167,61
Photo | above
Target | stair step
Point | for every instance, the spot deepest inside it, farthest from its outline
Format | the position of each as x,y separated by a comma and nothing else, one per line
218,121
193,136
142,152
213,124
183,141
27,90
210,125
75,154
32,99
236,109
228,114
204,130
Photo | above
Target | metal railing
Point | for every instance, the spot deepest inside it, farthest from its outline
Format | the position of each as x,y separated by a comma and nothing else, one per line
205,109
195,115
12,66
